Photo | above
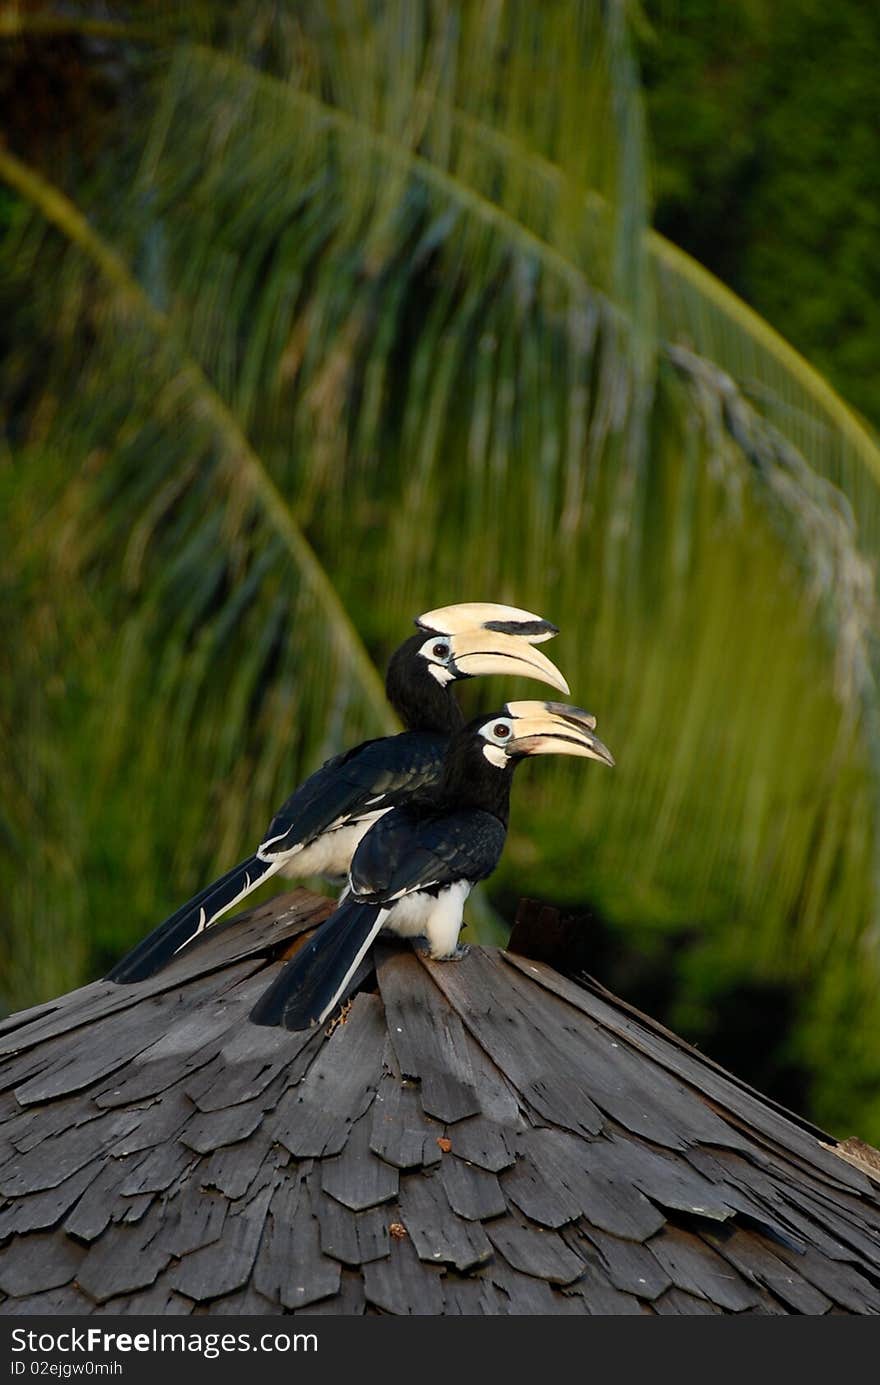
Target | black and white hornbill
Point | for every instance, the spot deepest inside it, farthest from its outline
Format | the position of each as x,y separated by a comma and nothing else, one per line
316,831
415,867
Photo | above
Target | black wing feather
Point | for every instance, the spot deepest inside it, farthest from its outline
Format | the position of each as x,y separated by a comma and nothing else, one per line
367,779
312,981
404,852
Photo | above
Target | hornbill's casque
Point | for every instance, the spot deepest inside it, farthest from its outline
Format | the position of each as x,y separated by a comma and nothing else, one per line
415,867
316,831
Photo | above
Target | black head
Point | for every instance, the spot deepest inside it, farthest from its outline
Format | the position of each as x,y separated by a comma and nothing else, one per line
479,764
464,642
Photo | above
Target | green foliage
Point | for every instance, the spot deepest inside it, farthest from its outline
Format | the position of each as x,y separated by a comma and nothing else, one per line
765,121
356,313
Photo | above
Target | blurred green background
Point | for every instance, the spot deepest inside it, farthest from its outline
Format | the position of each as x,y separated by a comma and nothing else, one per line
316,315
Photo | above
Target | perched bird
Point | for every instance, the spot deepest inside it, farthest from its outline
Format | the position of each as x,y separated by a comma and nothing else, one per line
415,867
316,831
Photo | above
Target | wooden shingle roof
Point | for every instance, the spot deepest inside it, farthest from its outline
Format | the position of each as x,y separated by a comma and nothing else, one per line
480,1138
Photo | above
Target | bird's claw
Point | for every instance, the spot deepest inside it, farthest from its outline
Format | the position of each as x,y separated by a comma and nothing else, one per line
424,950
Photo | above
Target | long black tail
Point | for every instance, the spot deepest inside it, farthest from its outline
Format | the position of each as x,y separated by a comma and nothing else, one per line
191,919
309,986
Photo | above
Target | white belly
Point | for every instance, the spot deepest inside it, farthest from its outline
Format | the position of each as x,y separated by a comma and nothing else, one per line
439,919
330,854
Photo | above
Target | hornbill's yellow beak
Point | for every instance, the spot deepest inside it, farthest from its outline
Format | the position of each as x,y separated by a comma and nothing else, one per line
552,728
486,651
484,637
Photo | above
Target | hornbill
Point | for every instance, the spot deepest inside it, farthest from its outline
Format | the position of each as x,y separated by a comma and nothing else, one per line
317,829
414,868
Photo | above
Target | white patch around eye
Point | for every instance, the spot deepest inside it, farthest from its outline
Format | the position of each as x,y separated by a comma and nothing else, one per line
443,675
429,649
495,755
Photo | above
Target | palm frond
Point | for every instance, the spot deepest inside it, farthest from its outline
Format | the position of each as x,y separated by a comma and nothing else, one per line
246,472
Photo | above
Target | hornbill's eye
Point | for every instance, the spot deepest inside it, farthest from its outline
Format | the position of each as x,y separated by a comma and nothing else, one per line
502,731
440,651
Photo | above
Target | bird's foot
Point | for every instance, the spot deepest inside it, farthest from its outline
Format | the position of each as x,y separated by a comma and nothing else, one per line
424,949
461,950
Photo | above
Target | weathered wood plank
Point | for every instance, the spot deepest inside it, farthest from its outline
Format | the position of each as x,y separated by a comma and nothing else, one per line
601,1299
162,1166
525,1041
428,1038
126,1030
48,1164
32,1264
593,1178
477,1295
521,1295
192,1219
204,1274
670,1182
244,1303
160,1122
146,1078
755,1261
473,1192
28,1126
856,1242
627,1265
347,1300
838,1281
66,1301
249,1060
357,1177
402,1285
683,1256
437,1234
160,1300
123,1259
290,1267
94,1210
485,1143
314,1117
354,1238
39,1210
548,1203
401,1133
677,1303
535,1251
232,1169
206,1131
